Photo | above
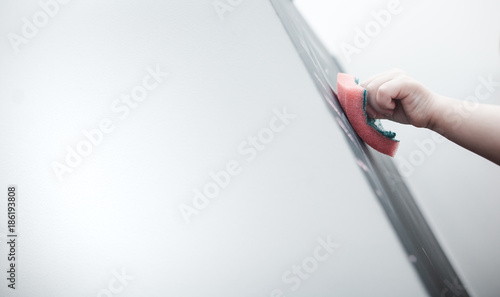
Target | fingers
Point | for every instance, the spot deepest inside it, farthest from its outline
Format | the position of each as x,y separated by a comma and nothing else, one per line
389,73
397,88
381,104
396,96
373,114
380,95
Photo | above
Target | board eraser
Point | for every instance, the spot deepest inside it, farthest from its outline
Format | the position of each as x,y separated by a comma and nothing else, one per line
352,98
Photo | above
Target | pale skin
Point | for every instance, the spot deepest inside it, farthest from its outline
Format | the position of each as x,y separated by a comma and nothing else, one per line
396,96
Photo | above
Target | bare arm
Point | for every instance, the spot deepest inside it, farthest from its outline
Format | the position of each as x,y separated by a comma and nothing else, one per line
473,126
395,96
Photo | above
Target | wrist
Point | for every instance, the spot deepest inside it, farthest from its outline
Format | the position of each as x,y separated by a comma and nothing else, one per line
437,111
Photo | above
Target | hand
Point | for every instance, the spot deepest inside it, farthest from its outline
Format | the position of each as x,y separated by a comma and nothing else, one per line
396,96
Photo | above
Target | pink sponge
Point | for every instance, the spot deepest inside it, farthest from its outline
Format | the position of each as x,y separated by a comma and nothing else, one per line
352,97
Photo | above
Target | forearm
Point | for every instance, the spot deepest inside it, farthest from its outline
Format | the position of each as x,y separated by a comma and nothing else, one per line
473,126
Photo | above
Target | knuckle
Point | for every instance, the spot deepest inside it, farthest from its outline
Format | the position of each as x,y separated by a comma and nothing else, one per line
380,99
370,90
410,83
382,91
382,94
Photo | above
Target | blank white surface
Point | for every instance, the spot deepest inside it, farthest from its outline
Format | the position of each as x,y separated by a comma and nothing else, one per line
119,209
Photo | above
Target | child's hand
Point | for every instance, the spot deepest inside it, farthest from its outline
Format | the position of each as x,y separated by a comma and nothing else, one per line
395,96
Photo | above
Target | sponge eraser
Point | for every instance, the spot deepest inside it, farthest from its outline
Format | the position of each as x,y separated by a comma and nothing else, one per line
352,98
